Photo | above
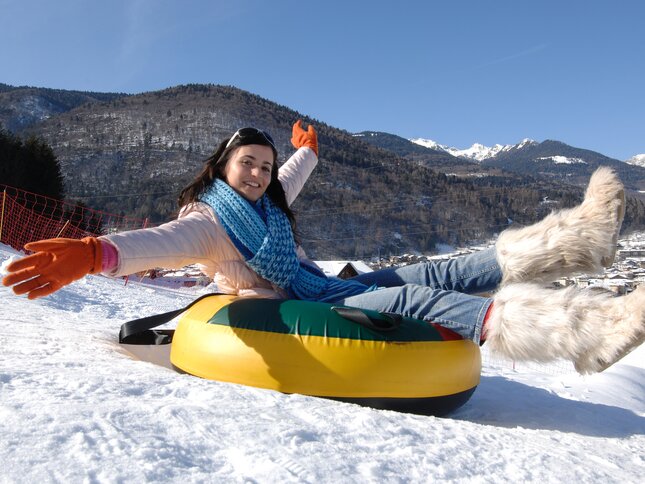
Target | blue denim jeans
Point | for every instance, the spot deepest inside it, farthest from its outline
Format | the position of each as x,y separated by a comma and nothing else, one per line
442,292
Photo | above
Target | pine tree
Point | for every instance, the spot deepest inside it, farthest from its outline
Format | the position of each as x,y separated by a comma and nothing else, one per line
10,171
30,165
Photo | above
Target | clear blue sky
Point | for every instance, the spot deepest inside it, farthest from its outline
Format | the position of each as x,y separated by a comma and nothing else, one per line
457,72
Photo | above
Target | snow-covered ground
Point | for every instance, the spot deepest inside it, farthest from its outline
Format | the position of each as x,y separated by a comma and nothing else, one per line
76,407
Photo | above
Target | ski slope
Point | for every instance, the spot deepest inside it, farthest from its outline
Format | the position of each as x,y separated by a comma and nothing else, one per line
76,407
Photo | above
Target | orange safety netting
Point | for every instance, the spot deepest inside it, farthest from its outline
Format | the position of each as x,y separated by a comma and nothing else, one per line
27,217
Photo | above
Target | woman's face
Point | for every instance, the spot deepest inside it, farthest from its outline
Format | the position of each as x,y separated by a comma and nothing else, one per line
248,171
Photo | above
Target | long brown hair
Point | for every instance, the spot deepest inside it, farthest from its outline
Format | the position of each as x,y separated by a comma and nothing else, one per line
215,165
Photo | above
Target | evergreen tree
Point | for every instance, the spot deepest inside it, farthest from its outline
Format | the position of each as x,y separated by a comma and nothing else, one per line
30,165
10,171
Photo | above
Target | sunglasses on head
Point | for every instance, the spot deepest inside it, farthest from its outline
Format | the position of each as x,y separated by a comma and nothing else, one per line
251,133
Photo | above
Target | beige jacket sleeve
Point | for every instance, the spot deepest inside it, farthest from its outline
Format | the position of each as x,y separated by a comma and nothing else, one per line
187,240
296,171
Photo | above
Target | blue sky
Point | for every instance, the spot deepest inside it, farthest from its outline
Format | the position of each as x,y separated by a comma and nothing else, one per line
457,72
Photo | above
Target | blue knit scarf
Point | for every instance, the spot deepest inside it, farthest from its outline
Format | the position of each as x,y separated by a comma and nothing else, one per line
262,233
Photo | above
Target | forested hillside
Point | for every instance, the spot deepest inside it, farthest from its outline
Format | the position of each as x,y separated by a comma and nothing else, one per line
132,154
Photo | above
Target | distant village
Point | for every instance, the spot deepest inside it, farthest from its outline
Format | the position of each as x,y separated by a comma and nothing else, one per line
625,275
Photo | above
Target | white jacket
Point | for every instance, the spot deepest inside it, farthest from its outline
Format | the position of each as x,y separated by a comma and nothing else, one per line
198,237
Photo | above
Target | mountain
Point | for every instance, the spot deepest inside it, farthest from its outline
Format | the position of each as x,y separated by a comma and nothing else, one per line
638,160
436,157
432,157
21,107
463,164
131,155
477,152
565,163
549,158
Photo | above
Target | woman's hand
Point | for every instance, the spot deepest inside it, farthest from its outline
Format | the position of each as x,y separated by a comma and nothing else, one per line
300,137
56,263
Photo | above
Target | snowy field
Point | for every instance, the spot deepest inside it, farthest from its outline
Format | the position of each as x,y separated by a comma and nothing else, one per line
75,407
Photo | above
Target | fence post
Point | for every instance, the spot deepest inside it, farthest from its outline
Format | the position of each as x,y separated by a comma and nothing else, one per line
63,229
4,198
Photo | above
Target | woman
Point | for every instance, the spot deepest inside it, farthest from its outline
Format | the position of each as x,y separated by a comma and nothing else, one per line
236,222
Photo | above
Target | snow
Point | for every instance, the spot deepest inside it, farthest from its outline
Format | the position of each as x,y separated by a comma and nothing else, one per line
428,143
76,407
562,160
477,152
638,160
480,152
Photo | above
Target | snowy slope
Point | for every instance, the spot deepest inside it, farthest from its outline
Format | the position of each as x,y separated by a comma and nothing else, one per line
561,160
75,407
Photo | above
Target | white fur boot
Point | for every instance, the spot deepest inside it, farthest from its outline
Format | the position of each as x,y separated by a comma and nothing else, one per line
590,327
576,240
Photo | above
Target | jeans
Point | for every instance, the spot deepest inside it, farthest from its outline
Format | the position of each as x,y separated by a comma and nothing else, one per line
441,292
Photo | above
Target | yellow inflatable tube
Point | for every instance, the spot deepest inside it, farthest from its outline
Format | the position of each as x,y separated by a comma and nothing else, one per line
316,349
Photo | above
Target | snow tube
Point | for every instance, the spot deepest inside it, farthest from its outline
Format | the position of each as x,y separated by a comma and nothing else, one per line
317,349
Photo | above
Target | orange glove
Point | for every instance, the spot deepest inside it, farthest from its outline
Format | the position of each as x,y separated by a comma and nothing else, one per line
56,263
300,137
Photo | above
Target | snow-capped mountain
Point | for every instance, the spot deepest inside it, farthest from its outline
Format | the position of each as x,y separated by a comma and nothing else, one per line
428,143
638,160
546,158
477,152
